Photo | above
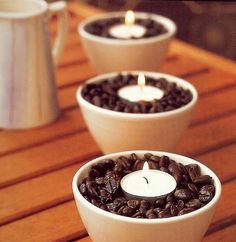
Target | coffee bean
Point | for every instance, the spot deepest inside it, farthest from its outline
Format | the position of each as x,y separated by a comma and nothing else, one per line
112,182
128,211
174,210
160,203
202,180
164,161
183,194
185,211
192,188
133,203
83,189
193,203
164,214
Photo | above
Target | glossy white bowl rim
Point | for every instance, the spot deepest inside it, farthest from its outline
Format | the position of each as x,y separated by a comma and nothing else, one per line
168,23
107,214
170,78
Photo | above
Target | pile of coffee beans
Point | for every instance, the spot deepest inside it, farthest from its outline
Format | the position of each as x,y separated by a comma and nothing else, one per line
104,94
101,27
102,187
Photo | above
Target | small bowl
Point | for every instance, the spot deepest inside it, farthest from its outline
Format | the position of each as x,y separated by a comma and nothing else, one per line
105,226
119,131
107,55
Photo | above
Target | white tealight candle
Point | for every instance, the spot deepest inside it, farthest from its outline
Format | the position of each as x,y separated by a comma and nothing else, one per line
140,92
129,29
147,184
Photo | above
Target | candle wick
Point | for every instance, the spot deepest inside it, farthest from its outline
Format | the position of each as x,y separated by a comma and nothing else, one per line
146,179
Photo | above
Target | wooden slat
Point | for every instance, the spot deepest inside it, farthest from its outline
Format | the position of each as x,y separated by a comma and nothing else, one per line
60,222
46,157
222,162
215,105
14,206
72,227
38,197
212,80
228,235
206,57
212,135
68,122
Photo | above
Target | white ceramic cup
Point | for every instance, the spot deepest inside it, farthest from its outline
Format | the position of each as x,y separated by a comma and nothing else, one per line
105,226
107,55
118,131
28,95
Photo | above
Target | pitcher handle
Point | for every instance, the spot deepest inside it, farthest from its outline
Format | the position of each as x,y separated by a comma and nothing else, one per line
60,9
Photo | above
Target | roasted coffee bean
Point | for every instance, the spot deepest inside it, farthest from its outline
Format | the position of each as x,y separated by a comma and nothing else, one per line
185,211
95,202
112,207
93,173
102,188
193,203
180,204
138,215
99,180
128,211
105,196
133,203
92,188
192,188
153,165
200,180
205,196
168,205
164,161
123,161
83,189
170,198
174,210
160,203
151,216
164,214
138,165
120,201
112,182
157,210
183,194
193,171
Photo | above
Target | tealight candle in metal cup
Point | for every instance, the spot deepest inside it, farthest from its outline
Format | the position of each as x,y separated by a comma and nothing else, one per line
129,29
147,184
140,92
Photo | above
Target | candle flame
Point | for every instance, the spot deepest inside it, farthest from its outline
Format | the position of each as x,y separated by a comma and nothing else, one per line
141,80
145,166
129,17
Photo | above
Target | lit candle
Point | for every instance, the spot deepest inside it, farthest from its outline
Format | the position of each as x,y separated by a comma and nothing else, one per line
147,184
140,92
129,29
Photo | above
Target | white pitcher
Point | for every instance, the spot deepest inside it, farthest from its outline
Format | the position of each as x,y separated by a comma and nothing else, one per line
28,95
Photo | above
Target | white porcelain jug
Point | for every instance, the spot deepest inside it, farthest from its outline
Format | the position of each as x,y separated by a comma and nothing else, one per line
28,95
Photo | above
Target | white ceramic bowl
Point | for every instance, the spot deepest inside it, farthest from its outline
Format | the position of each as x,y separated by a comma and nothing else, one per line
104,226
118,131
107,55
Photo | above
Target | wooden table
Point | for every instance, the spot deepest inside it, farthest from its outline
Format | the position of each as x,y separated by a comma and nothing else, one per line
37,166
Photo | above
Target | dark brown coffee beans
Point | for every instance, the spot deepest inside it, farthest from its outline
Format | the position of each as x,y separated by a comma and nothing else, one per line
102,187
101,27
104,94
